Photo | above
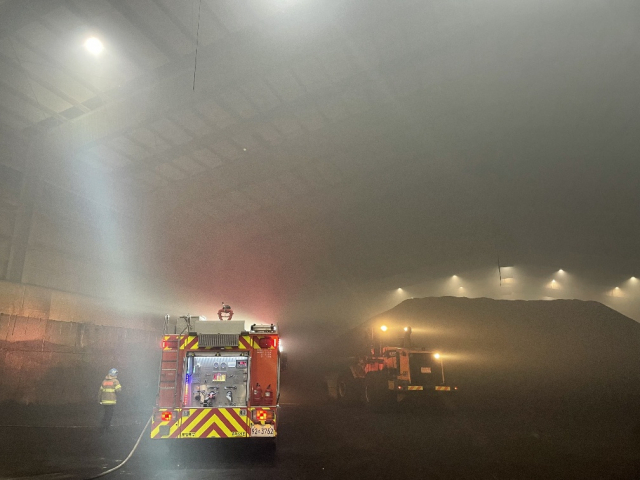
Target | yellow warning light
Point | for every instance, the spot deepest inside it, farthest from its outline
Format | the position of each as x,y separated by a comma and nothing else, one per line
383,328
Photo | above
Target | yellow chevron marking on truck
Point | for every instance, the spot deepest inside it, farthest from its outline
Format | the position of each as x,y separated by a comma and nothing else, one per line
415,387
445,389
245,343
233,421
214,422
173,425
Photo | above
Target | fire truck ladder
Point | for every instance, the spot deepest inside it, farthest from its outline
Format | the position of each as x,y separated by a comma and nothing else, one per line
168,379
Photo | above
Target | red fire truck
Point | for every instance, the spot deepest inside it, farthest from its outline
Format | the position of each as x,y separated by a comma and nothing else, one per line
218,379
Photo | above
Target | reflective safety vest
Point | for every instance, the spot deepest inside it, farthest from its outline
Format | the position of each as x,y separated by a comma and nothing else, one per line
108,390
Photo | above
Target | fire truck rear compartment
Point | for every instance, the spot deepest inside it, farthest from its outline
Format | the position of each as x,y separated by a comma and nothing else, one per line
216,380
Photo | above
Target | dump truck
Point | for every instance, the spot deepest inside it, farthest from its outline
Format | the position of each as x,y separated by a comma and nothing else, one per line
387,369
218,379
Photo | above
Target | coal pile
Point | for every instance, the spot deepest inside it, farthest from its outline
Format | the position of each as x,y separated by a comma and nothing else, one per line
514,351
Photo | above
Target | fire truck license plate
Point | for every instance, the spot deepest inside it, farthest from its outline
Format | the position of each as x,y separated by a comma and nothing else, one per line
263,431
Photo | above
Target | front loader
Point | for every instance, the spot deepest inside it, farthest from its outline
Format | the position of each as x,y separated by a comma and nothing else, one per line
384,373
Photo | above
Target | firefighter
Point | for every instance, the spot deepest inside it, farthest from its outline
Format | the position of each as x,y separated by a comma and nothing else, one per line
108,395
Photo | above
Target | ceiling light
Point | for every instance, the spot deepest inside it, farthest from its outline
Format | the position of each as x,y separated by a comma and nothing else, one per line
93,45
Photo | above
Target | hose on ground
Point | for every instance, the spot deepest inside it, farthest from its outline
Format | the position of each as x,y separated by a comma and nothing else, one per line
128,457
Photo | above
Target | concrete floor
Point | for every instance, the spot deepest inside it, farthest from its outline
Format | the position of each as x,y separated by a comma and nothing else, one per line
326,441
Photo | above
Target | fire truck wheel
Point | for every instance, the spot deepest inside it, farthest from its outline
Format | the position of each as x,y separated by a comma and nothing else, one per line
377,395
349,389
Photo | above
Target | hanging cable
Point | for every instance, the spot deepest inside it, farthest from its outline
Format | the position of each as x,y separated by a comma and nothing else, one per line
195,63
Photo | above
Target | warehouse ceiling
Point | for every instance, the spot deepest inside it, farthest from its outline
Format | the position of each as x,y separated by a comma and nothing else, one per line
268,144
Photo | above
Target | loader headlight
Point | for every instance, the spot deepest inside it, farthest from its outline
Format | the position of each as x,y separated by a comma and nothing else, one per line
436,356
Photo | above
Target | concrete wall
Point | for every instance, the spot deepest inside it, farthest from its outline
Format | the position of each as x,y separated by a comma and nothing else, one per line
77,291
52,362
45,303
12,154
56,347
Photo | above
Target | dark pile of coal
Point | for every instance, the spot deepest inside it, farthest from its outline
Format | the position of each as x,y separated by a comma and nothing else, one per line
527,349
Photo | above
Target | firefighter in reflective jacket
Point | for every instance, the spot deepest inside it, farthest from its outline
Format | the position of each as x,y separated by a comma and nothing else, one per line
108,392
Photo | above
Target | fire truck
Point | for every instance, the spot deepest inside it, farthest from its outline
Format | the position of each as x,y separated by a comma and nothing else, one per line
383,372
218,379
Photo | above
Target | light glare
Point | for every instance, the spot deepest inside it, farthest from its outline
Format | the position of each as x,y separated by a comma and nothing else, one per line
436,356
383,328
93,45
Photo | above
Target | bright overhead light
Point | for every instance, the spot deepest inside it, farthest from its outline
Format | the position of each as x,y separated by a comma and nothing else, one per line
93,45
561,271
383,328
553,281
436,356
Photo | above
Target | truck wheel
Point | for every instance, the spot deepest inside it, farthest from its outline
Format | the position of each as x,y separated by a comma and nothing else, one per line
349,391
377,395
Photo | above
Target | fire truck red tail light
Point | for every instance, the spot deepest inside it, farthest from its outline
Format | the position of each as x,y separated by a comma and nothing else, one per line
268,342
165,344
166,416
260,415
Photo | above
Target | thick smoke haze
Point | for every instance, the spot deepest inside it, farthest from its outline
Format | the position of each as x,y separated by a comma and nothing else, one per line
513,138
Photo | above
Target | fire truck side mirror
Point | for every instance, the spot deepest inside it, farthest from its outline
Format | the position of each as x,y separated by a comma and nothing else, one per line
284,360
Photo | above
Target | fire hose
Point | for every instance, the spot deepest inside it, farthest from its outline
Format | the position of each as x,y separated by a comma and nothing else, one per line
128,457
